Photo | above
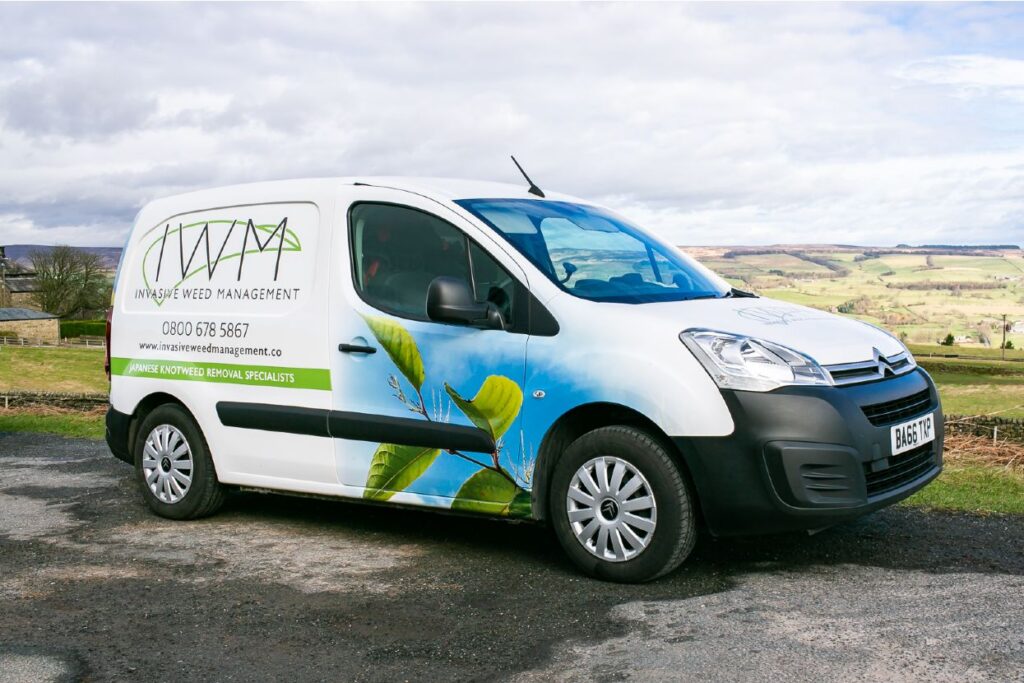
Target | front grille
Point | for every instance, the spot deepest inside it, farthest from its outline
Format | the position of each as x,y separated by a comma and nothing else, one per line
891,412
853,375
880,367
902,469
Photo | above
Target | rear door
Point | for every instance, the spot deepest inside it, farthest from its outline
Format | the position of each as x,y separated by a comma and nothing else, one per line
425,412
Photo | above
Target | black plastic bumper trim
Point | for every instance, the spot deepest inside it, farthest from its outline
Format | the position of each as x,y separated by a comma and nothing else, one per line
118,425
797,457
355,426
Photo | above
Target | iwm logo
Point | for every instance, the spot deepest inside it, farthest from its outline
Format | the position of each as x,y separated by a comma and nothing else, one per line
205,248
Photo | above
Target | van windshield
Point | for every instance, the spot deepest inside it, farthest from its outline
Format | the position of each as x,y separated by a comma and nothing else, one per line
594,254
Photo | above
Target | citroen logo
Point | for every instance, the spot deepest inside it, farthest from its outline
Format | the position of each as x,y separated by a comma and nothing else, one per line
609,509
884,369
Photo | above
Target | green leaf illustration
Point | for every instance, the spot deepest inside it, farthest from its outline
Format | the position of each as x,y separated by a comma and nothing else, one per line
394,467
400,345
521,505
495,406
488,492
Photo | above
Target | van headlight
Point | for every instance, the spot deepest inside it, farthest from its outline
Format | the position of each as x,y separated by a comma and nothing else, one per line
738,362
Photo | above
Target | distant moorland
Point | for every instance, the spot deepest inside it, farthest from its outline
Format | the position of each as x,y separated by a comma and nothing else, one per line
920,293
20,253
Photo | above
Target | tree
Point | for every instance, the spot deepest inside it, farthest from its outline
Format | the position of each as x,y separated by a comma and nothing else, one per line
1008,345
948,341
70,281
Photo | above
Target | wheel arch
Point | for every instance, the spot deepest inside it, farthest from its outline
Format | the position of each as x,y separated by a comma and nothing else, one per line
147,405
585,418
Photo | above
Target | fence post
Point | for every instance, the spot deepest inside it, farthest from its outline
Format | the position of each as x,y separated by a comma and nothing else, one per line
995,434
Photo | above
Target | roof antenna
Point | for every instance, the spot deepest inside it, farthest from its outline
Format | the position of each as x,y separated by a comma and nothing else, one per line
533,188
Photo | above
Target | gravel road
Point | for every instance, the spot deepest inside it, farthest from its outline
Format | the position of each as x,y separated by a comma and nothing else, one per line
94,587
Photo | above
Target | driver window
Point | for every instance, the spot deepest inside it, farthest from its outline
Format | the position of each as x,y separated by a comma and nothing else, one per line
398,251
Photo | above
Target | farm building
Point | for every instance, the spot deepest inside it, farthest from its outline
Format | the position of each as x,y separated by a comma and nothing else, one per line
29,324
17,284
18,289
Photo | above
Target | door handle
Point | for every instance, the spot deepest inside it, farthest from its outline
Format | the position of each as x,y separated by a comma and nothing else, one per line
356,348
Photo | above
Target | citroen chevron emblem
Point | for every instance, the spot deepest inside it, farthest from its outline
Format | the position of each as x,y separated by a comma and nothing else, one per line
884,369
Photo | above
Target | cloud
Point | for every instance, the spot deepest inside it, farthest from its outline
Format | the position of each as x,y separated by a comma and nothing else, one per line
970,76
712,124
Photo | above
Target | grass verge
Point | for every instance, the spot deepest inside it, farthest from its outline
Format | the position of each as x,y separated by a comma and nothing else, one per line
75,423
979,477
973,488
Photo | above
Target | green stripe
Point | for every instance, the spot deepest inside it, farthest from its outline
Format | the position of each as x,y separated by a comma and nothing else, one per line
226,373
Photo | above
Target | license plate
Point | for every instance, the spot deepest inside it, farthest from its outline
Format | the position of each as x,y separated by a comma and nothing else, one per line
912,434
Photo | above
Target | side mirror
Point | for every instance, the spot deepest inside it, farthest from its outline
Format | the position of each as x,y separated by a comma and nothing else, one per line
570,270
450,300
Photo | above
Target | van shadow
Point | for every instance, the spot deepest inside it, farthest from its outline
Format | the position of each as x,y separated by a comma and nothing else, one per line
894,538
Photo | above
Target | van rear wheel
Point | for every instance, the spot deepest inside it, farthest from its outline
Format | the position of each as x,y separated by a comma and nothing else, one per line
621,507
173,465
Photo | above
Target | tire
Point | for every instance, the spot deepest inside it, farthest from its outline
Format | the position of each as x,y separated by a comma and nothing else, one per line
648,547
192,489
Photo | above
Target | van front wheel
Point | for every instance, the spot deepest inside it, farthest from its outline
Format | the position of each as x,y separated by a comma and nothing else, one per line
621,507
173,465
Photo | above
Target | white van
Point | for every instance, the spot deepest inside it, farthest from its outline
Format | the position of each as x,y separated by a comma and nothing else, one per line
483,348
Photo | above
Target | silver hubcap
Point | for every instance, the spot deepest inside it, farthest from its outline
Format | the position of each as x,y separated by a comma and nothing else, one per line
167,464
611,509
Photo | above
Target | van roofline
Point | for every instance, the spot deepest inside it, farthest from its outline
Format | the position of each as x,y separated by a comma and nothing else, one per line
440,189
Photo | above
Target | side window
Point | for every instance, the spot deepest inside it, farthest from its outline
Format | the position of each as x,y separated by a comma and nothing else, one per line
398,251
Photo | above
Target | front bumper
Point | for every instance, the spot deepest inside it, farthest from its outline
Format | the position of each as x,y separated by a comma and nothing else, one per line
804,458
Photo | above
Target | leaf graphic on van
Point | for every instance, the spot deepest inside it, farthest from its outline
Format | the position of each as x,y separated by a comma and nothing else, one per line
490,492
400,346
394,467
495,406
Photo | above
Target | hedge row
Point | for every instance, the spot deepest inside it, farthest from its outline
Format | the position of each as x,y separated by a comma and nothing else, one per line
82,328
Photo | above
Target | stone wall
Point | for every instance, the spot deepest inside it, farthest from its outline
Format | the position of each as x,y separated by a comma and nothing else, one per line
26,399
23,300
1010,429
46,330
9,299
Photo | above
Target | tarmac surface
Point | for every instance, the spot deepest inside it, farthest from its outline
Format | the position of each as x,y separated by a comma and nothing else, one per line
95,587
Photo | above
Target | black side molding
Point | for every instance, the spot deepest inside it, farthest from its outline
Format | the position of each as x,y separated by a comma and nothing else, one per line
274,418
356,426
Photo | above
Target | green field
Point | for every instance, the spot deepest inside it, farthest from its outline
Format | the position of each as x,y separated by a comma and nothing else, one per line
64,370
936,350
978,386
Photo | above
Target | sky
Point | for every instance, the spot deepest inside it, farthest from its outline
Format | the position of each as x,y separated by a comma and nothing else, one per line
709,123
